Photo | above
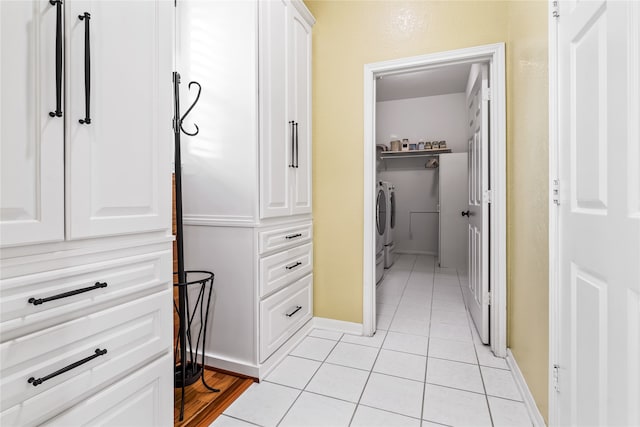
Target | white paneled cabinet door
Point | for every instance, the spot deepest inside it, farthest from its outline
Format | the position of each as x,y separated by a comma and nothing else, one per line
299,99
476,291
32,145
122,71
276,127
599,214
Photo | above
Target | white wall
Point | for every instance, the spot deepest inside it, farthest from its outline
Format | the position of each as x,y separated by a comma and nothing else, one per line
431,118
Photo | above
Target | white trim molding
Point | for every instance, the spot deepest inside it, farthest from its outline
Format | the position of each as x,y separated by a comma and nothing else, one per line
337,325
523,388
494,55
554,241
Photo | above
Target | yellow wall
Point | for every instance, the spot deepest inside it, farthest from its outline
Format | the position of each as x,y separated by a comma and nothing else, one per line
349,34
527,192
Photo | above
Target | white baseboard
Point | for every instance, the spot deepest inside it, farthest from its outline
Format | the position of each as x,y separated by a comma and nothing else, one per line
338,325
529,402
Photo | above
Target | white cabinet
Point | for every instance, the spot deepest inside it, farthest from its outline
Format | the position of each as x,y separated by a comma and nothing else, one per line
32,149
113,182
85,215
285,113
247,174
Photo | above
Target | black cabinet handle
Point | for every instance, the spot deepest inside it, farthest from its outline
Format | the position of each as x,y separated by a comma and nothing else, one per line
38,301
86,17
297,309
293,236
37,382
296,128
58,111
291,165
465,213
292,266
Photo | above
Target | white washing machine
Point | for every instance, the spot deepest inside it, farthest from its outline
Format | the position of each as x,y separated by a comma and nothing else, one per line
381,225
389,245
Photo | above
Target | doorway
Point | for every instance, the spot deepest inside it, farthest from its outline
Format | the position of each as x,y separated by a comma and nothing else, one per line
493,57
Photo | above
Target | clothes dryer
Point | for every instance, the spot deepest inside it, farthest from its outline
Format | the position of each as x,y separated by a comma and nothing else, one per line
389,244
381,225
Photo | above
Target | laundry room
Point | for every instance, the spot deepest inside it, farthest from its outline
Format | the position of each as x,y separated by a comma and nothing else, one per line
424,128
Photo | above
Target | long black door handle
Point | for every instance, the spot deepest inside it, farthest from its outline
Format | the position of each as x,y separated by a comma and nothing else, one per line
58,111
296,128
86,17
292,123
38,381
38,301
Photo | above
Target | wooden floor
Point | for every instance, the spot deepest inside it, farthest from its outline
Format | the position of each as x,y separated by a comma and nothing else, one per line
203,406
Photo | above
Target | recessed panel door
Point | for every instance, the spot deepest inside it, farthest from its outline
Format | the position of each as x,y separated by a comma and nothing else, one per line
476,290
119,98
32,144
300,86
277,129
598,213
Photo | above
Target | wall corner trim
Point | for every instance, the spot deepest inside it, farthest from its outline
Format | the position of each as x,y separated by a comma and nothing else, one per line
529,402
338,325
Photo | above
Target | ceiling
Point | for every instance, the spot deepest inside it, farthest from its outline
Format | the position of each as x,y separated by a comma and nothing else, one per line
416,84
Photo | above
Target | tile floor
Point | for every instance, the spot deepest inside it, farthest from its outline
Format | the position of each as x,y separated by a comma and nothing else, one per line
425,366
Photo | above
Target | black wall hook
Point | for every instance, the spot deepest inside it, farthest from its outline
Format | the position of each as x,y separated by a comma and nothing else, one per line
191,108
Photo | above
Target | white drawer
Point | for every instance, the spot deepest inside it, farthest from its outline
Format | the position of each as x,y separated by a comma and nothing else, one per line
132,333
282,314
284,238
281,269
144,398
124,277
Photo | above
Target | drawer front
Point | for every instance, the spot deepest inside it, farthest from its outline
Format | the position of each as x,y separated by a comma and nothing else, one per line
283,268
144,398
282,314
124,277
132,333
284,238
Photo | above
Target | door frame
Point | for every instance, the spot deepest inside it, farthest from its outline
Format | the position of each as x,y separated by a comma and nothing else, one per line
554,236
494,54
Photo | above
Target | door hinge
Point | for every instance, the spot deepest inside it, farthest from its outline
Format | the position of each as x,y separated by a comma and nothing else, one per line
556,192
487,298
556,385
486,94
487,196
555,9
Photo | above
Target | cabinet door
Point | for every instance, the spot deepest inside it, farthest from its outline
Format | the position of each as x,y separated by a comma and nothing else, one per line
31,148
276,131
300,99
118,166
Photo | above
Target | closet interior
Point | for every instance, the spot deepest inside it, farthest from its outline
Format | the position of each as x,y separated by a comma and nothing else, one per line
422,141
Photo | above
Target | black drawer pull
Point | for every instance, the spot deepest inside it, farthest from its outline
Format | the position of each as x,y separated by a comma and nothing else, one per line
74,365
38,301
293,236
292,266
297,309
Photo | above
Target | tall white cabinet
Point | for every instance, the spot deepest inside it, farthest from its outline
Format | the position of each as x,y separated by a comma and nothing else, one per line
85,215
247,174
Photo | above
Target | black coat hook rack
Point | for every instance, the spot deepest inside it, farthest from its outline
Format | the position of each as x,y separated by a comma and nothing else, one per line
187,370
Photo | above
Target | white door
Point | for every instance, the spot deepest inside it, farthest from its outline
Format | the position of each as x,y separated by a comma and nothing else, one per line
300,97
599,213
276,123
32,142
453,200
476,292
118,165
